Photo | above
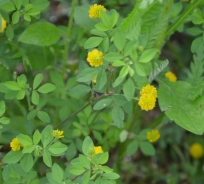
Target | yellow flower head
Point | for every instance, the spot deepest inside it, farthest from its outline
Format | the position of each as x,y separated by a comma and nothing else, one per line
15,144
95,58
94,80
94,11
196,150
3,25
97,150
153,136
171,76
147,102
149,89
57,134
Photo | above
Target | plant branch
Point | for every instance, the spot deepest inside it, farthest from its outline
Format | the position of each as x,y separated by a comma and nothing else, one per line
182,18
66,49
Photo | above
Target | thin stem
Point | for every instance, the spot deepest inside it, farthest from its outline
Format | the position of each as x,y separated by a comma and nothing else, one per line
66,49
28,100
182,18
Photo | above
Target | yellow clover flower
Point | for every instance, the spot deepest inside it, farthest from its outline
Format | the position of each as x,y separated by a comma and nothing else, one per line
153,136
94,11
95,58
94,80
57,134
147,102
97,150
196,150
15,144
3,25
171,76
149,89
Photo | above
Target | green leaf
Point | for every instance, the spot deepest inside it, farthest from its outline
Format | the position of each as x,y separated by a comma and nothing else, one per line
8,7
102,27
92,42
57,173
87,75
105,18
27,162
47,158
9,31
43,116
118,63
87,146
2,107
86,177
57,148
12,157
40,5
140,69
15,17
102,103
71,151
186,113
112,56
148,55
33,12
37,80
104,158
46,135
41,33
194,31
104,45
147,148
35,98
101,79
111,176
21,94
24,139
12,85
114,18
18,3
123,71
84,161
129,89
36,137
98,32
76,170
4,120
46,88
27,17
28,149
118,116
132,147
119,39
129,47
118,81
79,90
57,79
119,99
31,114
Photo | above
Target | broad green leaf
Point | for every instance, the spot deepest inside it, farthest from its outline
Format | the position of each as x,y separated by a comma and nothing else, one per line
71,151
84,161
9,31
88,146
8,7
111,176
194,31
119,39
33,12
114,18
56,78
104,158
186,113
105,18
140,69
129,47
113,56
35,98
31,114
98,32
119,99
15,17
118,116
118,81
37,80
118,63
92,42
41,33
36,137
132,147
2,107
57,173
79,90
18,3
43,116
104,45
129,89
148,55
27,162
47,158
40,5
86,177
12,85
102,103
57,148
46,88
102,27
12,157
4,120
22,80
46,135
123,71
147,148
87,75
76,170
28,149
24,139
106,169
21,94
101,79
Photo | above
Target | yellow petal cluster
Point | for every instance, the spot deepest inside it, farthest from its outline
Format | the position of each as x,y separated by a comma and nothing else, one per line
171,76
15,144
94,80
57,134
94,11
153,136
196,150
148,96
3,25
95,58
97,150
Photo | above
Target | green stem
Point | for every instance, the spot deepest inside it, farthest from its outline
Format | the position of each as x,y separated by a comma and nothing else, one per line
179,153
28,100
66,49
182,17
